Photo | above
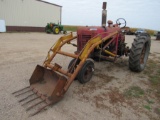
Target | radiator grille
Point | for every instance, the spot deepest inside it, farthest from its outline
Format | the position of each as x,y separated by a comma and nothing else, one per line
85,39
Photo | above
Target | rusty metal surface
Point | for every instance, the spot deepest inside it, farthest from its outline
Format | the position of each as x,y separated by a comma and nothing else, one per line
45,81
48,83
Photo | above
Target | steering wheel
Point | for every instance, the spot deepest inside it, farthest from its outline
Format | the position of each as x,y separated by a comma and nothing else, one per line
121,22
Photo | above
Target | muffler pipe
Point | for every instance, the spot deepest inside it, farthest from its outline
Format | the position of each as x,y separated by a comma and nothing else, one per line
104,14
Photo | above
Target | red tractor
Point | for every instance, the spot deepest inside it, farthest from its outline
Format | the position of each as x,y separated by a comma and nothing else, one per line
50,82
112,48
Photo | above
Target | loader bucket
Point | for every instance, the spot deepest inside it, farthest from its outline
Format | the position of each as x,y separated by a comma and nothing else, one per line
45,85
47,82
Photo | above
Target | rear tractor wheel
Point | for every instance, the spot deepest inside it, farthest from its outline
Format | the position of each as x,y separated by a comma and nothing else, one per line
139,53
56,30
86,72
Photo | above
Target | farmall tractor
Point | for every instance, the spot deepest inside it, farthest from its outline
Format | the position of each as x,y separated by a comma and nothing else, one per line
50,82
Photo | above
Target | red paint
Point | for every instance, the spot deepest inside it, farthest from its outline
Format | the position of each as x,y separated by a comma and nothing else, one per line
86,33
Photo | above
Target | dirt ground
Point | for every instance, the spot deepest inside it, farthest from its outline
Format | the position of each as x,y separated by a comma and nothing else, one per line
108,96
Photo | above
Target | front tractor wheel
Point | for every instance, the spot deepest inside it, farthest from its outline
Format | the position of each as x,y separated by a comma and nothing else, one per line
139,53
86,72
56,30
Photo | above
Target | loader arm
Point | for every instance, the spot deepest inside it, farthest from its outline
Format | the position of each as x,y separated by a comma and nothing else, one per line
57,47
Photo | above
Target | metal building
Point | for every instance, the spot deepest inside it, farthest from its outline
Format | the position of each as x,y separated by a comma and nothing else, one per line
29,15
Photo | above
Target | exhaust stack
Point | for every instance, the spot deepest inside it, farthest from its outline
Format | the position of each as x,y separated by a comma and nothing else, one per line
104,14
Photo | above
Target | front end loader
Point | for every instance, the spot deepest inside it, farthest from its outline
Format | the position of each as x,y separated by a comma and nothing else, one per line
50,82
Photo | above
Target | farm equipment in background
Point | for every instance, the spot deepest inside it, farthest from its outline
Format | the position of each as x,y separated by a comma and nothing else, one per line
158,35
54,28
50,82
140,31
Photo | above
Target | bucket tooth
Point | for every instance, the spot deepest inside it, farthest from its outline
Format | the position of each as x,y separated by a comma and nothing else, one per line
23,93
20,90
40,109
30,100
26,97
34,105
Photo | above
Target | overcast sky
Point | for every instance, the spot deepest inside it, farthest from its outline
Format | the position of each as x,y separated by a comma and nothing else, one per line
138,13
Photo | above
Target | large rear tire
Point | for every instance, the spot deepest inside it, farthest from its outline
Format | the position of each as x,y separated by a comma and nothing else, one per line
139,52
56,30
86,72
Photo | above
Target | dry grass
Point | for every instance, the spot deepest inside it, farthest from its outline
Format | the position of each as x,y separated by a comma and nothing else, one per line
151,32
70,28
